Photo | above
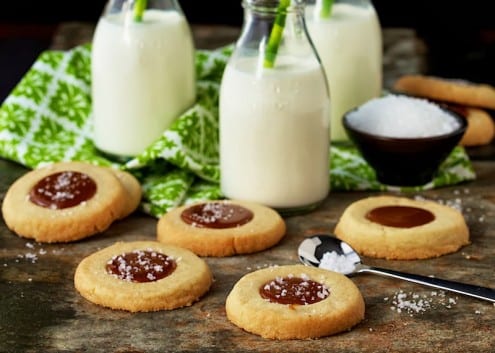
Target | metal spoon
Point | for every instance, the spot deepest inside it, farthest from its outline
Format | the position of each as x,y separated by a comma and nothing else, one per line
312,249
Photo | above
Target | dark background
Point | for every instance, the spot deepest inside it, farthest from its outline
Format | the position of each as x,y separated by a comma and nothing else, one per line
460,36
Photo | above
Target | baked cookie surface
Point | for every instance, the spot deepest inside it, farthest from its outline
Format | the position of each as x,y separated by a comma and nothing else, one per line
142,276
294,302
448,90
400,228
221,228
63,202
481,127
133,189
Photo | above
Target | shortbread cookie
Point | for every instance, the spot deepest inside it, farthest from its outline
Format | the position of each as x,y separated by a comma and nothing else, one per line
480,126
448,90
63,202
221,228
393,227
133,189
295,302
142,276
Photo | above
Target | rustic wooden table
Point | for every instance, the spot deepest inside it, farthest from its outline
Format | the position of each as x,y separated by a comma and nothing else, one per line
40,311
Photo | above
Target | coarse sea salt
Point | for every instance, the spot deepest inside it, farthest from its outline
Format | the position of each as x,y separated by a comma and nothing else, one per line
416,303
402,117
335,262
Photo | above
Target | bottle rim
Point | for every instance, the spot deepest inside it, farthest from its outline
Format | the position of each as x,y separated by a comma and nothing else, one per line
271,6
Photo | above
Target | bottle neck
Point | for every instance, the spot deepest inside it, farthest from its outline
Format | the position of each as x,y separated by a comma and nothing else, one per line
128,6
322,4
262,16
273,7
273,30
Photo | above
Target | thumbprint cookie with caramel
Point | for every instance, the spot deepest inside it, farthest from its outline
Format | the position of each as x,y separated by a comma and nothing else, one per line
68,201
142,276
221,228
295,302
400,228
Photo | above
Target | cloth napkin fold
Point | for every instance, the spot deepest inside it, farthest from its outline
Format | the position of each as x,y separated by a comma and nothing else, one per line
47,118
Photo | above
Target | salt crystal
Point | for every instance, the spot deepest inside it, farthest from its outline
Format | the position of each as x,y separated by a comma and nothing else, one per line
414,303
402,116
31,256
335,262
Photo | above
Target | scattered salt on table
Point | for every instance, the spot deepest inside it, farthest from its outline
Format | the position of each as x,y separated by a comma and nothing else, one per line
335,262
415,303
402,116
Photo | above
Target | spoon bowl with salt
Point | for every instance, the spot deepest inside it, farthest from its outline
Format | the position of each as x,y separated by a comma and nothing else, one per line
330,253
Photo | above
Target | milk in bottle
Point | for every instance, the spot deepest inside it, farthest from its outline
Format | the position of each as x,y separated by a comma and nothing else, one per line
142,75
274,126
349,43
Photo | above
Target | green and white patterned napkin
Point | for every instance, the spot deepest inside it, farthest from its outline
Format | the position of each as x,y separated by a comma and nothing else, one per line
47,118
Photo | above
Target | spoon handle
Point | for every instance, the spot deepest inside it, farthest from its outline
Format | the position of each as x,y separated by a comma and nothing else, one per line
457,287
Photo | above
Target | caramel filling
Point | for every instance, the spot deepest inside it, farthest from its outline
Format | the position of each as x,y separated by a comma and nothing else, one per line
400,216
216,215
63,190
141,266
294,291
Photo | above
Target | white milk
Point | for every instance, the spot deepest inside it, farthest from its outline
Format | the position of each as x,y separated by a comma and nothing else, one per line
142,79
274,139
350,47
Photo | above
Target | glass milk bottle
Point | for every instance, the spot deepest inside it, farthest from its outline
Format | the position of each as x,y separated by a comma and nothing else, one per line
274,109
347,36
142,73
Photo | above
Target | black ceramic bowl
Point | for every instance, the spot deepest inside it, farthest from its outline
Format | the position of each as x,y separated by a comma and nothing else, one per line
405,161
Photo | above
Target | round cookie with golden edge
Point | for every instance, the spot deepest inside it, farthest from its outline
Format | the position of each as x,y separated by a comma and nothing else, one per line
221,228
400,228
448,90
63,202
480,130
142,276
133,189
295,302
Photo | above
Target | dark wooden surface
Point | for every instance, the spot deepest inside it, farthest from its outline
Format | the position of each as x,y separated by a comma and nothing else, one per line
40,311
